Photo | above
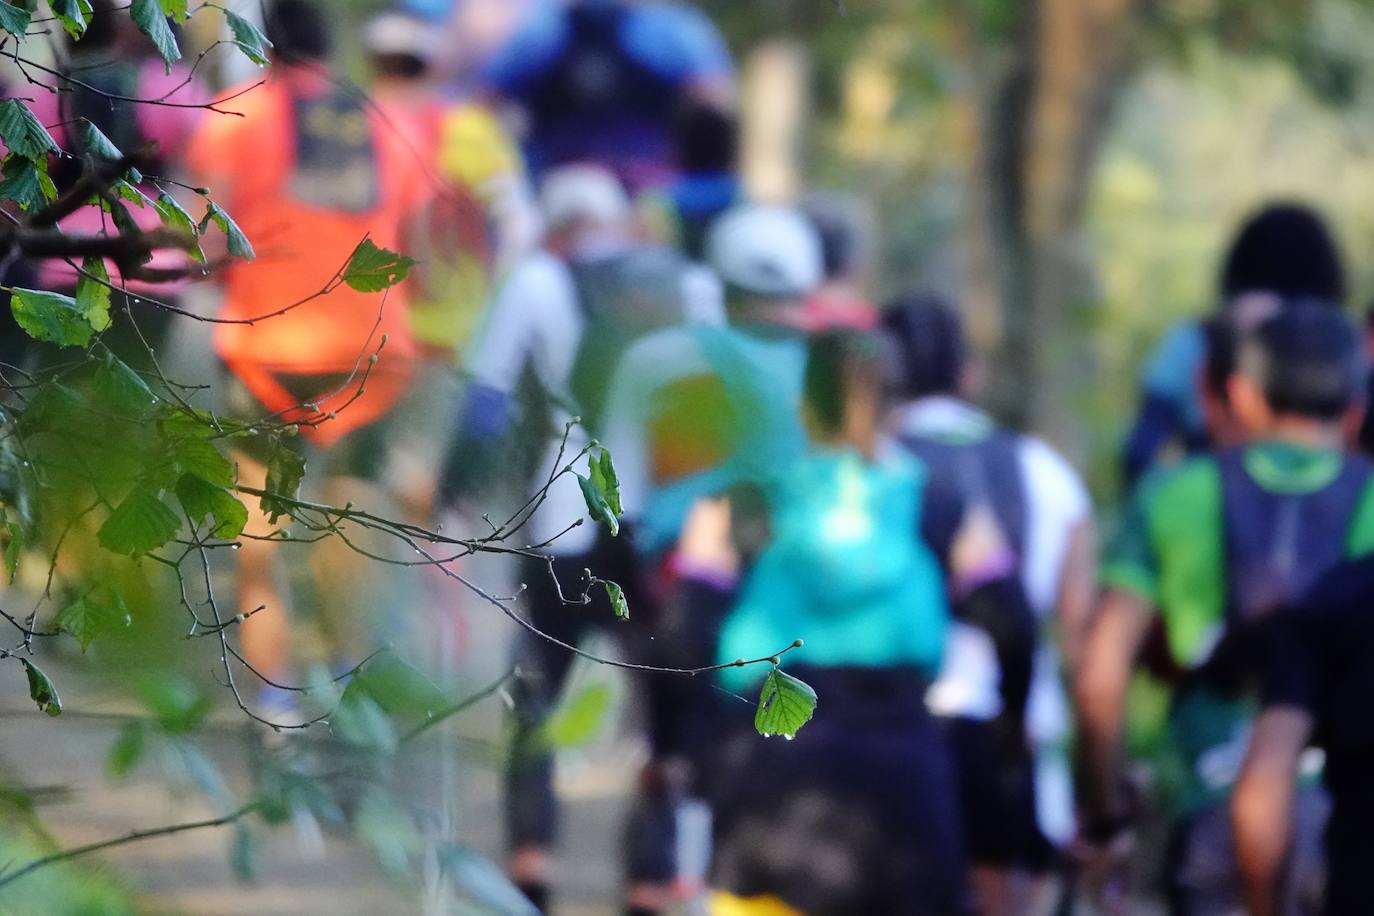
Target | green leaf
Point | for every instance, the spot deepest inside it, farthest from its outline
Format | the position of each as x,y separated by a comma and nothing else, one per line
41,689
484,882
178,705
238,244
250,41
617,596
602,473
127,749
371,269
243,853
93,296
27,183
97,613
202,500
51,316
580,718
22,132
200,458
785,705
94,143
398,689
132,194
74,14
152,21
175,217
176,9
389,831
142,522
285,471
361,721
14,19
597,507
121,387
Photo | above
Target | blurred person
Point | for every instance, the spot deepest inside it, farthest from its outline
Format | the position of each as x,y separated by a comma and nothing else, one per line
1285,250
846,233
1317,691
1215,546
696,414
114,58
859,813
307,172
563,317
999,688
706,152
601,80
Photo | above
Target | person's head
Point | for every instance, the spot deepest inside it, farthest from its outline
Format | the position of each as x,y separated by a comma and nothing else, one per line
401,46
1300,373
846,233
931,357
584,204
1285,249
769,259
705,138
299,31
843,388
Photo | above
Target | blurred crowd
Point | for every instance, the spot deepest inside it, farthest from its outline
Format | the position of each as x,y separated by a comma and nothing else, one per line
795,462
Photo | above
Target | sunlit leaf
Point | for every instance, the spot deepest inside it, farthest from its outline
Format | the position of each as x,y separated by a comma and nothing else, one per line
52,317
785,704
597,507
371,269
93,293
602,473
202,500
41,689
75,15
579,718
617,596
176,9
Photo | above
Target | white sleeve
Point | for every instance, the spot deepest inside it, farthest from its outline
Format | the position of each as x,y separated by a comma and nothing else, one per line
1056,501
534,320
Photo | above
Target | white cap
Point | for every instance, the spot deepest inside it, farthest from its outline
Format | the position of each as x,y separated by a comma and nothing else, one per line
767,250
582,193
396,32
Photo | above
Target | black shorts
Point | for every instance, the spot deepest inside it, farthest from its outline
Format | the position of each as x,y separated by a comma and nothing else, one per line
996,784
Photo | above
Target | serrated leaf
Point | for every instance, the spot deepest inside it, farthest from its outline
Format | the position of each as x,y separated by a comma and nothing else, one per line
175,217
597,507
152,21
121,387
249,39
127,749
617,595
92,295
578,719
14,19
237,243
52,317
99,612
371,269
602,473
94,143
41,689
199,457
285,471
785,704
27,183
75,15
132,194
202,500
142,522
22,132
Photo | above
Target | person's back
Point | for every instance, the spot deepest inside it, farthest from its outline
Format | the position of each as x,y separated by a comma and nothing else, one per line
1219,544
308,172
600,79
867,784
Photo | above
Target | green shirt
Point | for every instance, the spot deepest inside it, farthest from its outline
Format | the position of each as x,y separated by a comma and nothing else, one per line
1171,551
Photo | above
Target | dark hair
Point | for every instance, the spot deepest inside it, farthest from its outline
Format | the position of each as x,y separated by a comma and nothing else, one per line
1307,359
837,361
1285,249
705,138
298,31
928,338
838,222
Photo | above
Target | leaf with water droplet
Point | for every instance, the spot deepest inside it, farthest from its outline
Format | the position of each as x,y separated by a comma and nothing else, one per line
785,705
